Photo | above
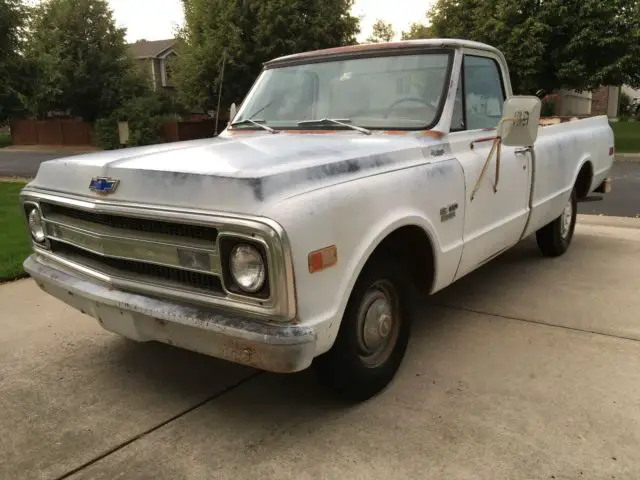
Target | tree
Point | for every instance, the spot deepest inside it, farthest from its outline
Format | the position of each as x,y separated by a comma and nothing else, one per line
79,60
551,44
382,32
13,16
243,34
417,31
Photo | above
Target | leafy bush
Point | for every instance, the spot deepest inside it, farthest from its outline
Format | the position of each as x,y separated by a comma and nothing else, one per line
625,103
549,105
105,133
5,140
145,115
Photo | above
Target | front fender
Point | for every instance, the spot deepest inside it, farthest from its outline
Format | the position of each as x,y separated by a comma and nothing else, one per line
356,216
384,227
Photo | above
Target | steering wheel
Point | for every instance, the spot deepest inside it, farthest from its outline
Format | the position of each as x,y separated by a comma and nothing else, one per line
409,99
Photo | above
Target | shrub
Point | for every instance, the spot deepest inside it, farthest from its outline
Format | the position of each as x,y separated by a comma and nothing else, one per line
145,115
625,104
5,139
549,103
105,133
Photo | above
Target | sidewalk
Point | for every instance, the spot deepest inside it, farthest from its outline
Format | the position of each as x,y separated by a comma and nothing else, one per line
628,157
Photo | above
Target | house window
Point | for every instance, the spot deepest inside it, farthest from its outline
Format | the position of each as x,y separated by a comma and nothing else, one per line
169,70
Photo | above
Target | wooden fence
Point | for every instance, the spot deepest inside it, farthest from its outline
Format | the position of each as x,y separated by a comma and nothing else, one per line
191,129
51,132
77,133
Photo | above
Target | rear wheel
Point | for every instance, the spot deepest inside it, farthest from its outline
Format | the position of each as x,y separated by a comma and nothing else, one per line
555,238
373,335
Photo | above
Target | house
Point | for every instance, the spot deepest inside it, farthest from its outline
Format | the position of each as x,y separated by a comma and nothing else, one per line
606,101
156,56
602,101
632,92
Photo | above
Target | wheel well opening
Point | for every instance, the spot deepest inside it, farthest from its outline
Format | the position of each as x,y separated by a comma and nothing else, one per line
583,182
411,247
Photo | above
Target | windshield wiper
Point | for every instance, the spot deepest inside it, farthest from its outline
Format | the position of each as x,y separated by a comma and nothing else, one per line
334,121
255,123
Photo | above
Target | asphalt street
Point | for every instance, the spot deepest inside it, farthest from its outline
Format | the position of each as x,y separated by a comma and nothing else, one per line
623,201
624,198
24,164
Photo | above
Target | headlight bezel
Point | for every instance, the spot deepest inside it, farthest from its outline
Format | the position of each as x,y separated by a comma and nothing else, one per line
227,242
28,209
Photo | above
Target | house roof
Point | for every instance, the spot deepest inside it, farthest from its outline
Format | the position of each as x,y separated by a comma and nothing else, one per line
151,49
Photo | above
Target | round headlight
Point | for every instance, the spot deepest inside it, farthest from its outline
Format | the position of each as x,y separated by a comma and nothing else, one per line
247,268
35,225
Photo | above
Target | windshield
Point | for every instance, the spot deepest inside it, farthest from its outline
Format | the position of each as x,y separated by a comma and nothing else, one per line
391,92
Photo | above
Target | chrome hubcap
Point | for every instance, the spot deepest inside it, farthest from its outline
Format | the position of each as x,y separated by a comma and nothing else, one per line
378,324
565,219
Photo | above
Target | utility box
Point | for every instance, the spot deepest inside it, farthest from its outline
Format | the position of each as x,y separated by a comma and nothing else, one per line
123,132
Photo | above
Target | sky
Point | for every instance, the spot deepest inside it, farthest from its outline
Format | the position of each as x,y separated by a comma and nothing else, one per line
157,19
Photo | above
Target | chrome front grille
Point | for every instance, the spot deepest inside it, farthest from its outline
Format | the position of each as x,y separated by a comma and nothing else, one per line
144,272
171,254
163,251
135,224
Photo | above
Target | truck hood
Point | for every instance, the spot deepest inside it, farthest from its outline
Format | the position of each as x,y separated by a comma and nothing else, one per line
226,173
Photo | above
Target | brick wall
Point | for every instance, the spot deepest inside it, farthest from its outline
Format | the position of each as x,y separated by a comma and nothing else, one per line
600,101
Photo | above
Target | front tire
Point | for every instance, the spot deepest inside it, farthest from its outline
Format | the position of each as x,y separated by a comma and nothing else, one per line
555,238
373,335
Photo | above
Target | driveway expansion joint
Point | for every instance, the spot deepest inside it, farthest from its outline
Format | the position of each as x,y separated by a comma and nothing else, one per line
537,322
148,431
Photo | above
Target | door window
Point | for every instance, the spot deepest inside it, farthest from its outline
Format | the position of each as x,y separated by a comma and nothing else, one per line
480,105
484,96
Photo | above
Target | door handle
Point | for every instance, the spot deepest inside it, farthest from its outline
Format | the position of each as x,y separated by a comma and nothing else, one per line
522,151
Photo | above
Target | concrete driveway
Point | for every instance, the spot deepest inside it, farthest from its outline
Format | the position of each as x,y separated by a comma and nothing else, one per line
527,369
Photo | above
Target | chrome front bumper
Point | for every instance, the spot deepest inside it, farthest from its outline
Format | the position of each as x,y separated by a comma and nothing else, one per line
276,348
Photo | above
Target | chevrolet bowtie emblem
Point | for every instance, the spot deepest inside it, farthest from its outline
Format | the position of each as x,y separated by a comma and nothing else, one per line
104,185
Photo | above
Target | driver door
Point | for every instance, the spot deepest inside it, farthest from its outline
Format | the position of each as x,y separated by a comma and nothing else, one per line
496,216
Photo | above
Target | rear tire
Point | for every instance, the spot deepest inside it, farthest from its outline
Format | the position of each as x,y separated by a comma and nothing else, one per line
373,334
555,238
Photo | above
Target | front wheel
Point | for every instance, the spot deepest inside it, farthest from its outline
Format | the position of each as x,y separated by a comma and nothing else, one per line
554,239
373,335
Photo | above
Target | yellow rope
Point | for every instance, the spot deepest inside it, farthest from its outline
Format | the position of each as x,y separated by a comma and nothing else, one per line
496,147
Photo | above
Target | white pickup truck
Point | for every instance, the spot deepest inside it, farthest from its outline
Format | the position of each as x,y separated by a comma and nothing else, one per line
348,179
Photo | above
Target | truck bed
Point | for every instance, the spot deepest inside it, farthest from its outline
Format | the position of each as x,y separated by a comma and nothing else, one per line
570,143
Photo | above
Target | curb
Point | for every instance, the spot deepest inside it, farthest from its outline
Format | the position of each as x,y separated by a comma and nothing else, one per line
627,157
15,179
607,221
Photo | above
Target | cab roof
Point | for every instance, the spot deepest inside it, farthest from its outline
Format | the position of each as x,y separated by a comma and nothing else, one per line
386,48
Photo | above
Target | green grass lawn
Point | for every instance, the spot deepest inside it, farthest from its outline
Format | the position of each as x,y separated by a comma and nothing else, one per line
14,240
5,140
627,136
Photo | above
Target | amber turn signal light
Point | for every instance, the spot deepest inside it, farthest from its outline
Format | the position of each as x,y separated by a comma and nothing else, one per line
323,259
